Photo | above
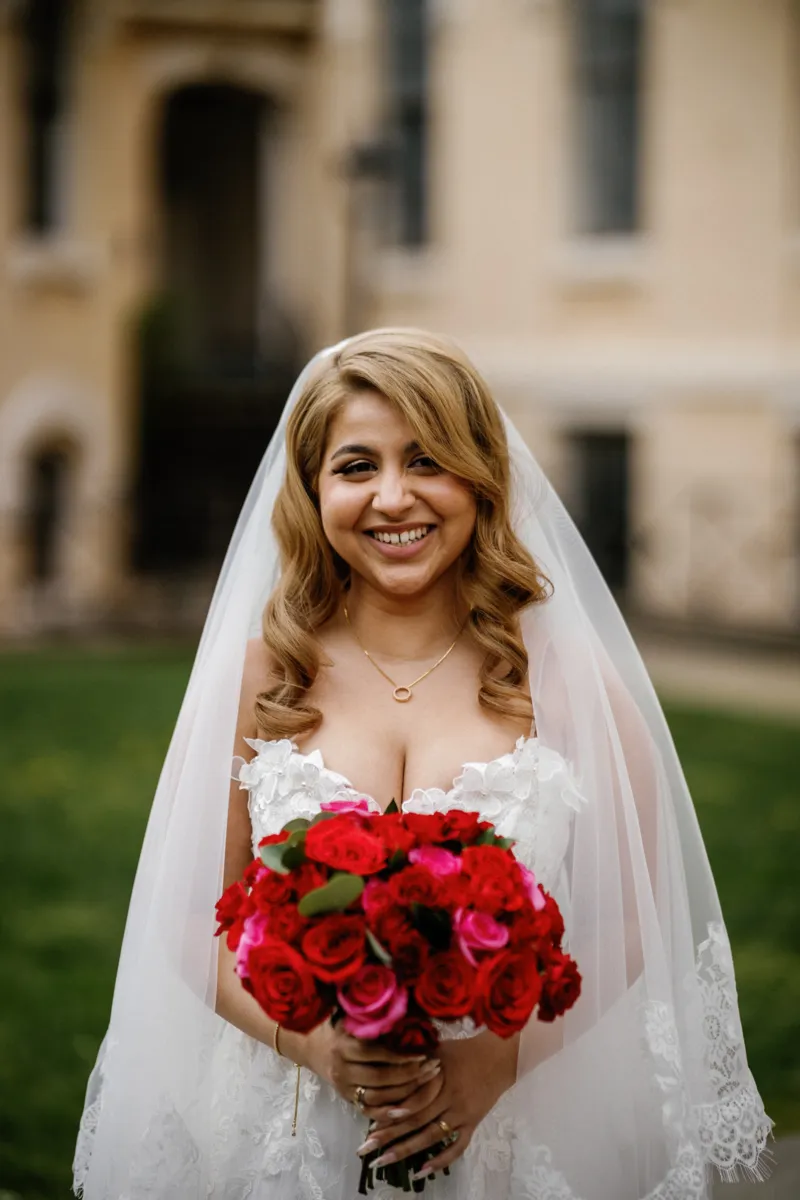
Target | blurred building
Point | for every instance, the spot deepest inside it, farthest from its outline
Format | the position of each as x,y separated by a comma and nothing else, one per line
599,198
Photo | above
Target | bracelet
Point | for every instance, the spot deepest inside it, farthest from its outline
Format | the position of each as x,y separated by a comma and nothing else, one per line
277,1049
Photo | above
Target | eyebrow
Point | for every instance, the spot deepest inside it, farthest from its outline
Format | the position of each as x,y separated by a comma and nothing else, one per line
358,448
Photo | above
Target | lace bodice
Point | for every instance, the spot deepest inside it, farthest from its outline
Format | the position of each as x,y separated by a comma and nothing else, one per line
529,794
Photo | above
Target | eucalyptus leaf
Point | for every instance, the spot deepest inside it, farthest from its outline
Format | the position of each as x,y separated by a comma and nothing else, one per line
505,843
272,857
294,856
334,896
380,952
297,824
323,816
296,838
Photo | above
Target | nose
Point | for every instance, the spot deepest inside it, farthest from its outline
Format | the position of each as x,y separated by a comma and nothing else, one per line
393,497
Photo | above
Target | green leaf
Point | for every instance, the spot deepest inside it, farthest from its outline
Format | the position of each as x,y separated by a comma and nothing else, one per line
380,952
294,856
334,896
297,824
323,816
392,806
505,843
397,860
272,857
296,838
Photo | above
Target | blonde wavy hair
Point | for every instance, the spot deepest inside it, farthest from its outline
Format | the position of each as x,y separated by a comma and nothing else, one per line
457,422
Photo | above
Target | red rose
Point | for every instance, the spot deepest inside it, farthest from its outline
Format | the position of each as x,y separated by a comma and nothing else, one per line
408,948
418,885
495,884
414,1035
426,827
233,908
270,889
462,826
446,987
284,987
545,926
508,987
253,872
274,839
285,922
391,829
342,843
334,947
307,877
561,986
376,898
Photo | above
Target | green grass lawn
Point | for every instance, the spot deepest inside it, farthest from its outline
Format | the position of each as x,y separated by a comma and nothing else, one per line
82,737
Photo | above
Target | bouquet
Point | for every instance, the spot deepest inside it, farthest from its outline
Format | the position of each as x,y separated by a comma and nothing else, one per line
392,923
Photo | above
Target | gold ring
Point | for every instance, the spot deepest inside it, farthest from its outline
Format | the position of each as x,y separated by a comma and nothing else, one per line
450,1135
360,1094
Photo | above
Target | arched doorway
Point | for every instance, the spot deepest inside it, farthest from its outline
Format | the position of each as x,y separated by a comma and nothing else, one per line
49,469
217,352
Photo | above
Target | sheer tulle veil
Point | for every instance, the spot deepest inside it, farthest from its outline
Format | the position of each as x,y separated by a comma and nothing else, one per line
648,1088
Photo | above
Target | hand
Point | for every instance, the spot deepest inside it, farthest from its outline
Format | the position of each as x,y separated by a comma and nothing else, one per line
347,1063
475,1073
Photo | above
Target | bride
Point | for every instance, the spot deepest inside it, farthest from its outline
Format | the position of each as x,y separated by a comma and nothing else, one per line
433,631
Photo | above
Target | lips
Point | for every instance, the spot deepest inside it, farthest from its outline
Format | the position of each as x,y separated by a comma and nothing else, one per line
408,535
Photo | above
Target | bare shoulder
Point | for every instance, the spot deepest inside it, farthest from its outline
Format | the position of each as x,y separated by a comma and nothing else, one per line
257,676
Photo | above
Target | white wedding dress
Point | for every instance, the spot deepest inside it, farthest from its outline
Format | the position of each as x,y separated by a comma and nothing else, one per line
248,1151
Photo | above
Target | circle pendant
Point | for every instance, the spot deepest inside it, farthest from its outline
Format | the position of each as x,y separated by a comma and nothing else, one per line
402,694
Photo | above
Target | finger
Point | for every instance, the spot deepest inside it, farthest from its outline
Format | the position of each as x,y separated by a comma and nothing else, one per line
385,1134
354,1050
423,1139
386,1111
448,1156
409,1076
381,1100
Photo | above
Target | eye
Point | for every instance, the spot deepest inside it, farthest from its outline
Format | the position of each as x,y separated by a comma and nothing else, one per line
426,462
359,466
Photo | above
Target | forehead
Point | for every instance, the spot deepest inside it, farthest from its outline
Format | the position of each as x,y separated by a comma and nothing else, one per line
367,418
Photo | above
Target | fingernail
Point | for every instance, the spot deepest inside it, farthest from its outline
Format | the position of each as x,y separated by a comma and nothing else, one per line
397,1114
384,1160
422,1173
432,1070
369,1144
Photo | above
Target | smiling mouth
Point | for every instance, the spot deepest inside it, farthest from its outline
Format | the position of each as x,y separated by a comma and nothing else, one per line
404,538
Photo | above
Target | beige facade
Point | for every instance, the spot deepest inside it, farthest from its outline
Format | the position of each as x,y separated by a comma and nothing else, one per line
664,352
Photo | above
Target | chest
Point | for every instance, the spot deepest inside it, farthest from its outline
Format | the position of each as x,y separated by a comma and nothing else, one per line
389,749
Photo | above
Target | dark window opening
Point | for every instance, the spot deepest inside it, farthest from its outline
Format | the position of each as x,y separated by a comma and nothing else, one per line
45,31
47,495
609,36
217,354
600,489
407,74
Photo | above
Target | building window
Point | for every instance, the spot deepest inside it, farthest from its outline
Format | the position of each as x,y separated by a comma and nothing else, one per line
45,26
599,500
608,44
407,75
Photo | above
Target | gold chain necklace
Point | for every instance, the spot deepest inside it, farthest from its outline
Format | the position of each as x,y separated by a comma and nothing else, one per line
401,692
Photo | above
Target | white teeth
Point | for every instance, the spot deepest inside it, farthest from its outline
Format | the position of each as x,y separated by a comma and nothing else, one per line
408,535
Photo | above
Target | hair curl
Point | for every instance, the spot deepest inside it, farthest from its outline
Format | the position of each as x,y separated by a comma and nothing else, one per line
457,422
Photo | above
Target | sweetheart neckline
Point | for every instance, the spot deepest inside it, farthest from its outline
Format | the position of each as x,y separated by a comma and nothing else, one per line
521,743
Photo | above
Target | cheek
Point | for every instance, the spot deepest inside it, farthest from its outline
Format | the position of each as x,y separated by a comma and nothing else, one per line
339,507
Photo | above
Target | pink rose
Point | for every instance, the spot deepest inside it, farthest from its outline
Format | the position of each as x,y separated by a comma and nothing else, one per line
478,931
531,886
438,861
356,804
373,1001
253,933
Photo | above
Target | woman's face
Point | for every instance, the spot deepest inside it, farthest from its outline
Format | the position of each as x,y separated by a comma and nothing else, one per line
387,509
